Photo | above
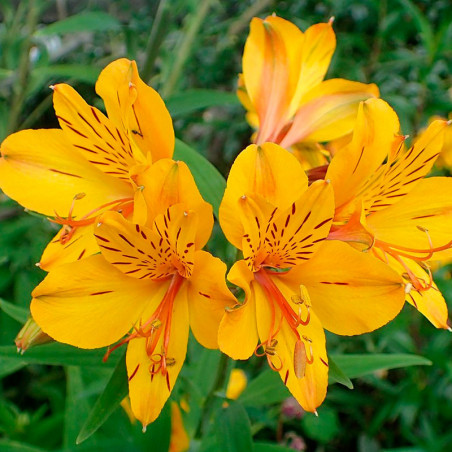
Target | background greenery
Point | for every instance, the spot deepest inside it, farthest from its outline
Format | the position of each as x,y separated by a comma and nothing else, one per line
190,51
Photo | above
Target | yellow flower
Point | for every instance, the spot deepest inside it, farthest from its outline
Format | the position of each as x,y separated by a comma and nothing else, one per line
384,203
148,283
295,282
76,173
236,384
282,85
179,442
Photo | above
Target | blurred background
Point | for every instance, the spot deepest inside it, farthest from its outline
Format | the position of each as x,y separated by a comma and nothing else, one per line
190,51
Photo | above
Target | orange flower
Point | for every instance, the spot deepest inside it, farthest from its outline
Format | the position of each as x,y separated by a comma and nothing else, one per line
295,282
149,283
76,173
384,203
282,85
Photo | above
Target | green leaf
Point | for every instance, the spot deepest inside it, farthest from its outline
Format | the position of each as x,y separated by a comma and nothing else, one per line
197,99
58,355
90,21
14,446
108,401
210,182
335,374
233,429
265,389
10,366
15,312
81,72
358,365
322,428
76,408
269,447
158,434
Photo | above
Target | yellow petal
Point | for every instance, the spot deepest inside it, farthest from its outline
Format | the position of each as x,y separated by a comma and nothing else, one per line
310,388
268,171
318,47
430,302
404,170
351,167
93,134
421,220
271,62
166,183
79,245
208,296
43,172
148,394
236,384
237,335
90,304
328,111
149,120
351,292
294,235
180,442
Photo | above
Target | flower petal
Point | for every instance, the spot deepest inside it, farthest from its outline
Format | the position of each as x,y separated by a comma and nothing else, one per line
43,172
294,235
352,166
268,171
149,121
80,245
237,335
90,304
351,292
166,183
208,296
328,111
94,135
421,220
149,393
309,389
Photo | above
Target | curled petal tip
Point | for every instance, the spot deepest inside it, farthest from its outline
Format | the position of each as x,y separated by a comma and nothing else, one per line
144,428
331,20
52,87
316,413
98,224
38,264
449,122
328,181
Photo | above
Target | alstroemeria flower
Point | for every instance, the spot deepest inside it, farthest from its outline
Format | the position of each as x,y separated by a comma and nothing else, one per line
282,84
384,202
295,282
76,173
148,284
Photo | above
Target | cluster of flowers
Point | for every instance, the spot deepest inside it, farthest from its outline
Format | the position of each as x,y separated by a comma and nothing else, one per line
335,235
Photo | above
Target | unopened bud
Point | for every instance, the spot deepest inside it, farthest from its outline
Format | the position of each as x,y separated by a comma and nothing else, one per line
30,335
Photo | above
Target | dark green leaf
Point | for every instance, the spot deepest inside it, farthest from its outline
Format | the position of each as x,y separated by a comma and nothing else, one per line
196,99
159,432
108,401
16,312
15,446
322,428
335,374
58,355
265,389
210,182
358,365
10,366
90,21
233,429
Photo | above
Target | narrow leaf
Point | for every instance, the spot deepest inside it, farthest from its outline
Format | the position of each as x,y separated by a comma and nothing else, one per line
7,445
269,447
90,21
15,312
108,401
58,355
335,374
10,366
210,182
80,72
358,365
233,429
265,389
197,99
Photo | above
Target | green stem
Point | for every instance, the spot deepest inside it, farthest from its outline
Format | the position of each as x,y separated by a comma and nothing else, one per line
155,39
20,87
220,383
36,114
243,20
186,47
